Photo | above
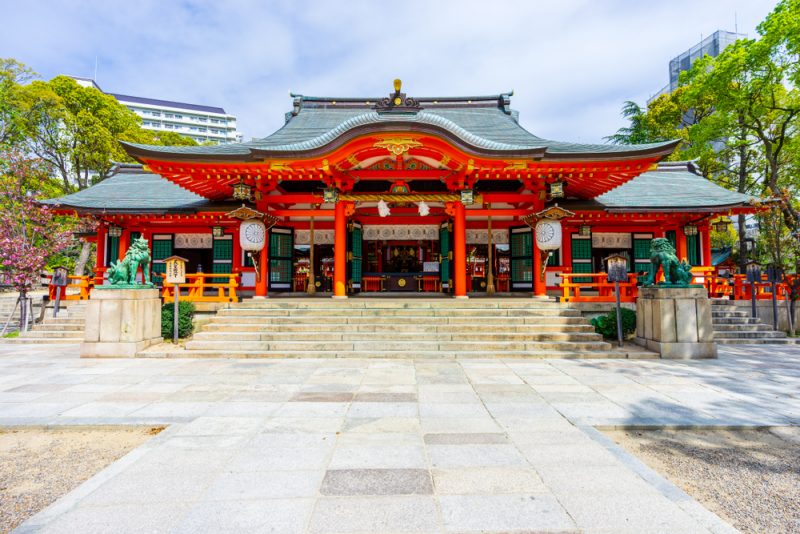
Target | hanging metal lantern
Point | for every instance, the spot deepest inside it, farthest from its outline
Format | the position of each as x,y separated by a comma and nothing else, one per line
548,234
584,230
252,235
242,191
690,229
217,231
722,225
114,231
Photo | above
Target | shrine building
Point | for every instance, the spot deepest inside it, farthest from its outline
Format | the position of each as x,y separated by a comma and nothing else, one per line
402,194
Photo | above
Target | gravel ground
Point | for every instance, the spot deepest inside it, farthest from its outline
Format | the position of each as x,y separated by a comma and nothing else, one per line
37,466
750,478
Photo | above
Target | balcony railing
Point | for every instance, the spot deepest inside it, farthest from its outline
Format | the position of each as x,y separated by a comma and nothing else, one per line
201,287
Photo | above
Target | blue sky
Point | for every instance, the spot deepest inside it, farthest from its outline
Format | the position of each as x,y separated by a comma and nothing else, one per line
571,63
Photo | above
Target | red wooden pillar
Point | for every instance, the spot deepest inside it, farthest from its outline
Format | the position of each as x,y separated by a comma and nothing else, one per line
124,243
236,267
100,255
340,251
460,251
680,243
539,284
566,248
262,281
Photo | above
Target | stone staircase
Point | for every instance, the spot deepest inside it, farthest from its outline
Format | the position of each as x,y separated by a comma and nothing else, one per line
733,325
68,327
396,328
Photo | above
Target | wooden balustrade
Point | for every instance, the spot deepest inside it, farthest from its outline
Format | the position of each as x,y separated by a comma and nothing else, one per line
83,285
198,283
742,289
573,291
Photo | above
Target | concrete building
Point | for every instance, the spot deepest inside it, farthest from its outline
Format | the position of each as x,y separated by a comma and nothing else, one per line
712,46
201,123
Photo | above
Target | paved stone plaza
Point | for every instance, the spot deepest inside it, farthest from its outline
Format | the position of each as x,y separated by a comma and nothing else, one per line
387,445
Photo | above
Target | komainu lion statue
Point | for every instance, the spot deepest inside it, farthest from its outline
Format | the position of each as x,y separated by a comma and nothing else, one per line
662,254
124,270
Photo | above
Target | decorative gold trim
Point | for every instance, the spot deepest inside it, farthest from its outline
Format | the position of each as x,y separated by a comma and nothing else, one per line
398,145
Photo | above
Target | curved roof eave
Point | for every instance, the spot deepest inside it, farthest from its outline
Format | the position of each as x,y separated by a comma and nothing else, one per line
374,122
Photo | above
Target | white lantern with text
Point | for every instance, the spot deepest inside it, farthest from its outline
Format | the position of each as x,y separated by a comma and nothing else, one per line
548,234
252,235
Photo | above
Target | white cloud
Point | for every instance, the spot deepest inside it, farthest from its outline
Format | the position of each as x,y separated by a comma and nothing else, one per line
572,63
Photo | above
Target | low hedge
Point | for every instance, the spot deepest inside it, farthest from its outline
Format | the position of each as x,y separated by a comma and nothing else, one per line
607,324
185,315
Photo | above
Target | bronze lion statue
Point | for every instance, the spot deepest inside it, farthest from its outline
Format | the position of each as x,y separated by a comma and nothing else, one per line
662,254
124,270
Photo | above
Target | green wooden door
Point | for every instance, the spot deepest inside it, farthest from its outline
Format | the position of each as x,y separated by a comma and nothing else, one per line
521,241
693,249
281,250
222,257
355,247
581,257
641,255
446,256
162,248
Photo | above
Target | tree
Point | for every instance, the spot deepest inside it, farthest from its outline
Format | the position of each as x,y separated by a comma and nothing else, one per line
29,232
12,74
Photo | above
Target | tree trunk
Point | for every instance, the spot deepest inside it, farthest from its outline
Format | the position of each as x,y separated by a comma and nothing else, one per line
83,257
742,244
23,310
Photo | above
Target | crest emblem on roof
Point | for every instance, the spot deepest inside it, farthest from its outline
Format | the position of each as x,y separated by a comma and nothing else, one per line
397,101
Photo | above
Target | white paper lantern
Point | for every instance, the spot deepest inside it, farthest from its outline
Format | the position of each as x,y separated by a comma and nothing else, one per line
548,234
252,235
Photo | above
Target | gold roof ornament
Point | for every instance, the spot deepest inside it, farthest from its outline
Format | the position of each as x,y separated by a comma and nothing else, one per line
397,145
554,212
244,213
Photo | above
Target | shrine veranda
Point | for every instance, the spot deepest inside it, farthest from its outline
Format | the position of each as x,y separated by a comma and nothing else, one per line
464,184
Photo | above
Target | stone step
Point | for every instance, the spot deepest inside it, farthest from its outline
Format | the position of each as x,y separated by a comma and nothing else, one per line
52,333
540,354
771,334
216,326
770,341
377,303
736,313
59,326
750,327
387,336
41,340
410,346
735,320
378,320
533,312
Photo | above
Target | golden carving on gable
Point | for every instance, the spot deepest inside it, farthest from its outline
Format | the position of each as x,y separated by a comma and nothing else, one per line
398,145
279,167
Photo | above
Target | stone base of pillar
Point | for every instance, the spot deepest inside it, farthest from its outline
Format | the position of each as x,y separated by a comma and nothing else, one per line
339,297
461,297
675,322
121,322
259,297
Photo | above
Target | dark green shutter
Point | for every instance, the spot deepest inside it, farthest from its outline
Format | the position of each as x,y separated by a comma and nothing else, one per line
281,251
693,249
162,248
554,260
445,249
222,258
641,254
672,238
355,244
112,250
521,241
581,257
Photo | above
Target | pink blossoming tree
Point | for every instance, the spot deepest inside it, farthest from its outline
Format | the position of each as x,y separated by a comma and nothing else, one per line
29,232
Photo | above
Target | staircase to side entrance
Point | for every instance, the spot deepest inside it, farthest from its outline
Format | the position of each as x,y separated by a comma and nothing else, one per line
67,327
734,325
384,328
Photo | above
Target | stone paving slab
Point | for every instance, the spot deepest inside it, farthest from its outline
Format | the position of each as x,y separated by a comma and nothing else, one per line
378,446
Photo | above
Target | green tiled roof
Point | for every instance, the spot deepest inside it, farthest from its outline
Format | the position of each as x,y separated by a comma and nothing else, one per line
671,186
481,123
718,255
130,189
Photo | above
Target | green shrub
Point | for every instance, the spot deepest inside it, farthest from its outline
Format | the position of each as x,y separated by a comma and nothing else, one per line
607,324
185,314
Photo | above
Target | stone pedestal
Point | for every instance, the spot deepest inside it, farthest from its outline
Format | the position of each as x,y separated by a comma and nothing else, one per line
121,322
675,322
